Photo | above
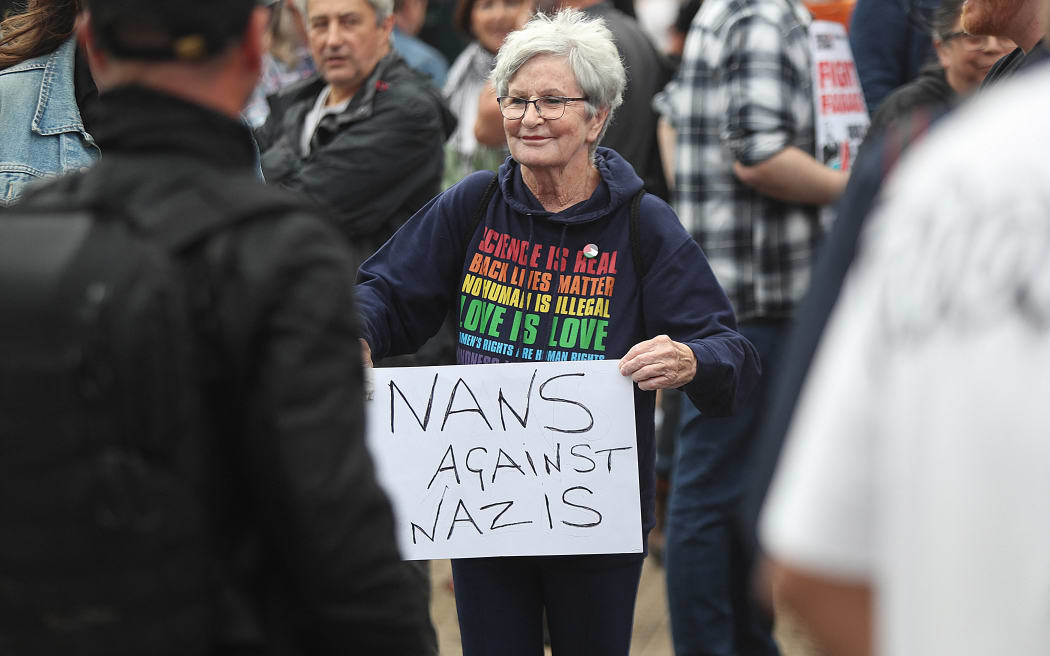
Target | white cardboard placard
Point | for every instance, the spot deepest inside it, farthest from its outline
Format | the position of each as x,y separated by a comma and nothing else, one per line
508,459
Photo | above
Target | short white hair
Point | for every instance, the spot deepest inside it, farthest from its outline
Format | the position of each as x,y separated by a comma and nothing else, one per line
586,44
382,8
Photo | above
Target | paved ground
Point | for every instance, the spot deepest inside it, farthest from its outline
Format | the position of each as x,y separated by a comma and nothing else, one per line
652,628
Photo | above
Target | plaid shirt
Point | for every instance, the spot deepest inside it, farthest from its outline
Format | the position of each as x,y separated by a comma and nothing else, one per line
744,93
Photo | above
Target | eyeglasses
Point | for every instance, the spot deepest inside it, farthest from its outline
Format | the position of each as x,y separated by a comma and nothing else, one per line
974,42
549,108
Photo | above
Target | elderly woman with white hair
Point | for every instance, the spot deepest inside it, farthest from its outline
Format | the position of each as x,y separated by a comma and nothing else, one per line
577,210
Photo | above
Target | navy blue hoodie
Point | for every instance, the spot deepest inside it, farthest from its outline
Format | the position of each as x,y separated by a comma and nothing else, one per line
524,290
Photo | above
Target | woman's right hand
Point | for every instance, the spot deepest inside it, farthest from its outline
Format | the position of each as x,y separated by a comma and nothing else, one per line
366,360
366,353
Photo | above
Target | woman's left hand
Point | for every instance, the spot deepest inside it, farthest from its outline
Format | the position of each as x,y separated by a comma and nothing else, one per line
659,363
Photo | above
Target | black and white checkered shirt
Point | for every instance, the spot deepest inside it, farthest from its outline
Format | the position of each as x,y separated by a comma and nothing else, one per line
744,93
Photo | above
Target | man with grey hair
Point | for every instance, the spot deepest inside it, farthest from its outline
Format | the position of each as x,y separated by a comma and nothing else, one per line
365,136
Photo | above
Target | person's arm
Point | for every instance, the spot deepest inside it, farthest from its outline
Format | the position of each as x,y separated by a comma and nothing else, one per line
665,138
838,613
488,128
793,176
323,517
762,72
698,348
405,290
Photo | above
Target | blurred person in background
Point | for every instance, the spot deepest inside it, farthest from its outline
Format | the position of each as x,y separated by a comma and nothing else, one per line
364,137
878,158
48,99
286,60
906,514
656,17
1022,21
679,30
436,32
478,143
749,190
883,147
409,16
890,40
963,61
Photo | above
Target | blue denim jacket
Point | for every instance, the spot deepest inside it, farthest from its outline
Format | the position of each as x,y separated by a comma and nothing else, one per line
41,133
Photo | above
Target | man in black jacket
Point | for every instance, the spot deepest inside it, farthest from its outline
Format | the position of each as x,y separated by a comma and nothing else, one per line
365,137
304,545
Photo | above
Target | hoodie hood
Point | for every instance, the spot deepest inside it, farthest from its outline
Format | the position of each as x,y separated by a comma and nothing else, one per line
619,184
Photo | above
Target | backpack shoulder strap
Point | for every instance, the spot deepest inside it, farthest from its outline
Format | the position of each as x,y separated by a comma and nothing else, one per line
640,267
475,221
636,242
479,211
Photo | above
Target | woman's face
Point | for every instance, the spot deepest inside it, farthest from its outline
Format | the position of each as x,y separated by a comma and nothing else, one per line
492,20
967,59
538,143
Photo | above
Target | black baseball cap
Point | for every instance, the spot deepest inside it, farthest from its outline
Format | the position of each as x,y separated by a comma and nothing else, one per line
188,30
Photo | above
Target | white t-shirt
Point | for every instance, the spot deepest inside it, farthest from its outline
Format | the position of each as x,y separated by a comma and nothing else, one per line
919,457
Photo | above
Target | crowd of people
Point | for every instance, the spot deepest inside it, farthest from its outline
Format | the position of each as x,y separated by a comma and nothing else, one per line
215,215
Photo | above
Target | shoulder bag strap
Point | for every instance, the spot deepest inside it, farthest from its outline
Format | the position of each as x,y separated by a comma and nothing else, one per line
636,249
479,211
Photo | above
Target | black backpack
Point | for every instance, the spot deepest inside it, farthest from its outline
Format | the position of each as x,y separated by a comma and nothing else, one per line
105,546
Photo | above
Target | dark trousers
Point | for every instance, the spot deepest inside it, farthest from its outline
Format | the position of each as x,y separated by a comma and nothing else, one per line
708,564
589,602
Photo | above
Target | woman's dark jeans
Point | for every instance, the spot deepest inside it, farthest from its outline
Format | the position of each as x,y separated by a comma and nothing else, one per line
589,602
